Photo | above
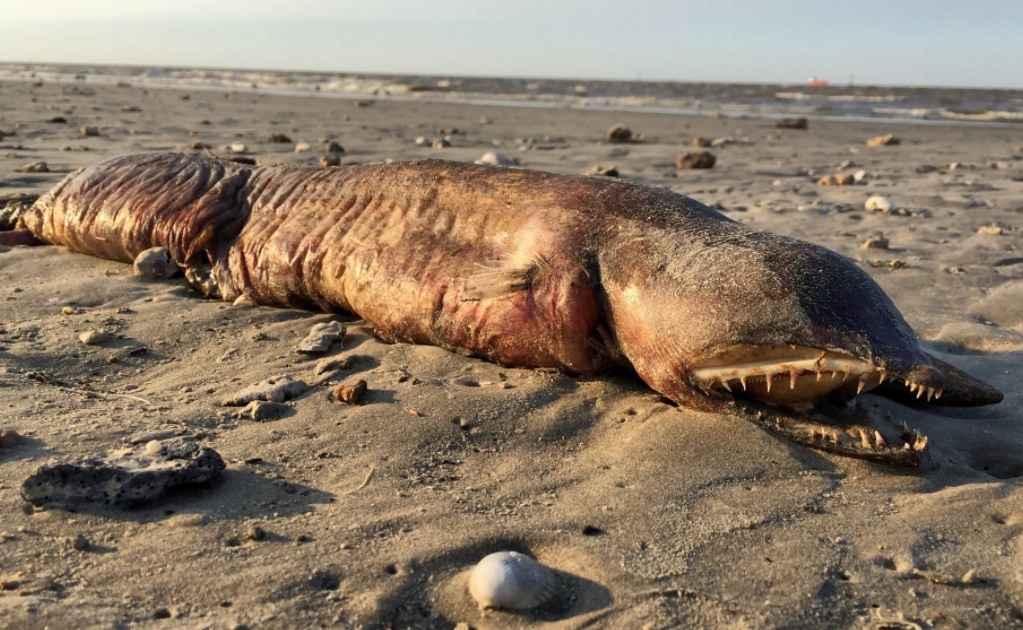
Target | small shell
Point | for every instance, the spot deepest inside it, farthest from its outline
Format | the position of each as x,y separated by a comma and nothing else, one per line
878,204
508,579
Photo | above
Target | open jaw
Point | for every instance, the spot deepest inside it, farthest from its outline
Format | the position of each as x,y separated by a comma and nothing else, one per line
789,379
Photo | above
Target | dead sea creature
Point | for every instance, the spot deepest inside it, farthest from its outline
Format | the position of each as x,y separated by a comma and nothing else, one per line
530,269
125,478
511,580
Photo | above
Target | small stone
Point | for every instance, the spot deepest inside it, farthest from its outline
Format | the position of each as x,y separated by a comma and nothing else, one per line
263,410
334,147
792,123
883,141
94,337
696,159
331,365
199,146
35,167
302,147
238,148
423,141
280,138
441,143
243,300
8,438
991,230
78,542
620,133
493,158
329,160
155,263
837,180
273,389
603,171
877,241
153,447
255,533
350,393
878,203
700,143
58,120
859,176
89,131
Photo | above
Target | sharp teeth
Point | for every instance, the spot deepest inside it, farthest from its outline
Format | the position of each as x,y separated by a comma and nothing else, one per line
937,394
862,383
919,391
930,393
819,376
911,386
920,444
864,439
792,379
742,379
883,376
726,385
905,427
878,439
767,379
843,376
905,446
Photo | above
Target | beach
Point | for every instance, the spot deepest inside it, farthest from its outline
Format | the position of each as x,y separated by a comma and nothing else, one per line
372,515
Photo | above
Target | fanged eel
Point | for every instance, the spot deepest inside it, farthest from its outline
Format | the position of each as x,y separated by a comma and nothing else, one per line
530,269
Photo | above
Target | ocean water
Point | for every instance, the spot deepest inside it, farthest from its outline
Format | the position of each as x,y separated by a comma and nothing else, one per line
921,104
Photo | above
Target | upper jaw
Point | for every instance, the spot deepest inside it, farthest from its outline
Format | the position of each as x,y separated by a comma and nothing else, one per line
795,376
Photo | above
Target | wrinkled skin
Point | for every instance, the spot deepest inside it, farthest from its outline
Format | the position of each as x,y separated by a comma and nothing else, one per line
528,269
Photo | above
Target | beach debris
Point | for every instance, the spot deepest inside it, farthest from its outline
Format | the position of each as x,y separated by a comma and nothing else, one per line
792,123
511,580
8,438
275,389
493,158
878,203
94,337
696,159
244,300
441,143
303,147
263,410
35,167
12,208
883,141
242,159
124,478
89,131
60,120
423,141
329,160
155,263
604,171
894,263
877,241
334,147
279,138
621,133
350,393
238,148
859,176
199,146
837,180
322,336
700,142
991,230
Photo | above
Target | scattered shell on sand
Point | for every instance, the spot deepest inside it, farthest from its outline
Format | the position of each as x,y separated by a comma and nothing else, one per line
350,393
883,141
492,158
878,203
696,159
156,263
508,579
322,336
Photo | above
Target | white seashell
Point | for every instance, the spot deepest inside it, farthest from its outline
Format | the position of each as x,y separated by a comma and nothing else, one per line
508,579
493,158
878,204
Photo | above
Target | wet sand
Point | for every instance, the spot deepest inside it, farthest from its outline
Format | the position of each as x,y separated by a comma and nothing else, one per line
653,516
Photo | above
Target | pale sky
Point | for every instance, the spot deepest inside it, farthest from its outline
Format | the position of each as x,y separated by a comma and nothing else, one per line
969,43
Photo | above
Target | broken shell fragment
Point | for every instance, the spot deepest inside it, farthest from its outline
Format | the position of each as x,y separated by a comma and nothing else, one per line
321,337
508,579
156,263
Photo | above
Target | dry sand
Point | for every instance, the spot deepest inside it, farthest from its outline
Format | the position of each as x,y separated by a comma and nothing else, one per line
653,516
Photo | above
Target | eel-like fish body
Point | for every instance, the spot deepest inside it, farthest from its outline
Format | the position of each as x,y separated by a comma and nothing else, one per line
528,269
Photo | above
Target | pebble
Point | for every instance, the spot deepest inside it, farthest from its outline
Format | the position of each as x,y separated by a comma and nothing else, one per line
423,141
334,147
878,241
441,143
883,141
243,300
859,176
280,138
255,533
696,159
792,123
238,148
878,203
8,438
837,180
302,147
94,337
991,230
89,131
329,160
78,542
350,393
35,167
700,143
604,171
153,447
493,158
620,133
155,263
263,410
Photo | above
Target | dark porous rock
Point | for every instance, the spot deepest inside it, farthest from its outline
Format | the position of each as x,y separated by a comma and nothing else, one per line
124,478
792,123
696,159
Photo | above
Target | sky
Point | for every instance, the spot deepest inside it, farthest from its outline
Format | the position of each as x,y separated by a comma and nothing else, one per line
966,43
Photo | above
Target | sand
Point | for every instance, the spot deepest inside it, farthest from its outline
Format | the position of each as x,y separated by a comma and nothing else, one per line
372,515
